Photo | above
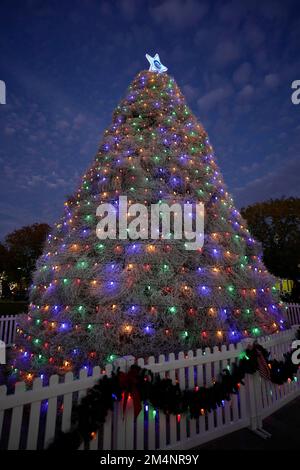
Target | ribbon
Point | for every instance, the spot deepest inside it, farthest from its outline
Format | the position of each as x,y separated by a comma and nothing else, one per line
129,383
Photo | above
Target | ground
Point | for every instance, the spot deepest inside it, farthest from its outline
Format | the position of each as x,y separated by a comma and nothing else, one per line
284,425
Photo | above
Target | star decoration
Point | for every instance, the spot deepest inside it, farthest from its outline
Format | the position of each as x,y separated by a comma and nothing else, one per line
155,64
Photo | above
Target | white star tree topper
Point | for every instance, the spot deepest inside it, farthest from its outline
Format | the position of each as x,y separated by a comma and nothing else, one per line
155,64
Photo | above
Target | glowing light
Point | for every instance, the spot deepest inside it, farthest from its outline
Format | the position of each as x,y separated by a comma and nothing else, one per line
172,309
128,329
155,64
255,331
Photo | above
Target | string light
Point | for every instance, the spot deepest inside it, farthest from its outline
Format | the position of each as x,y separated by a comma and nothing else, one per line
155,150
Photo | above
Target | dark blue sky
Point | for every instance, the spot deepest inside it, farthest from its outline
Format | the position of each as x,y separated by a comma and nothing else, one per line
67,64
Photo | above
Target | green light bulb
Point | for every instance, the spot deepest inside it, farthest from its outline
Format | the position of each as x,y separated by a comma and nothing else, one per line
255,330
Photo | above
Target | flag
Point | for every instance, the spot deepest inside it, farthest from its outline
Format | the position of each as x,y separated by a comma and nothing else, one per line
263,367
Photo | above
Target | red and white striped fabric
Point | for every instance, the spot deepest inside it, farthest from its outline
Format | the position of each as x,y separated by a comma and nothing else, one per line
263,367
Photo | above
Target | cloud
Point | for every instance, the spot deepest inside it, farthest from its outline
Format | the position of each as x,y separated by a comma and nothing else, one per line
179,13
204,37
213,97
36,181
271,80
242,73
232,12
62,124
128,8
190,92
273,10
14,216
281,181
226,52
9,130
249,168
79,120
246,92
105,9
9,171
253,35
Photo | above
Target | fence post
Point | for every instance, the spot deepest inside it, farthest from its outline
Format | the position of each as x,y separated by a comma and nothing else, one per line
254,399
295,328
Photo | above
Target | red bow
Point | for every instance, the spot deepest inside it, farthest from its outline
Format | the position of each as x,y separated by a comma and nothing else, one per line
128,382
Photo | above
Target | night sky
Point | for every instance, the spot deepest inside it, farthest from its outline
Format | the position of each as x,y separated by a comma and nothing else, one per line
67,64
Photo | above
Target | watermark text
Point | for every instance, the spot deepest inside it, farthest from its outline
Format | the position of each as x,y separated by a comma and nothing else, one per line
2,92
159,221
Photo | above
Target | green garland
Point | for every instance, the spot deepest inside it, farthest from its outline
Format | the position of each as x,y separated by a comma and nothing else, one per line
162,394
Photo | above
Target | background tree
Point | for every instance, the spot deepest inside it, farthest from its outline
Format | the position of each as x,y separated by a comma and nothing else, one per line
3,258
4,263
20,251
276,224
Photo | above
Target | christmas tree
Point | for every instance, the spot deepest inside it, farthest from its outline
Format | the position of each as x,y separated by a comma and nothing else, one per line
92,300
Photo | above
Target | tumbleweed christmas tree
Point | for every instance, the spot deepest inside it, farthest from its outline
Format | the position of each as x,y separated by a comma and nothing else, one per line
94,299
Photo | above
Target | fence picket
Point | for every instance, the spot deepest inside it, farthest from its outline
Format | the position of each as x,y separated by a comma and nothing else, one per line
216,369
82,393
192,423
3,392
151,417
234,398
208,383
107,427
11,328
16,419
67,404
172,418
242,402
119,421
162,417
93,445
227,404
129,415
51,413
200,382
182,419
140,421
34,418
2,326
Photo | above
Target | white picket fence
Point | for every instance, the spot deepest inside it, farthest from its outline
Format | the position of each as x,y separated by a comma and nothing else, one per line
29,419
293,314
8,329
